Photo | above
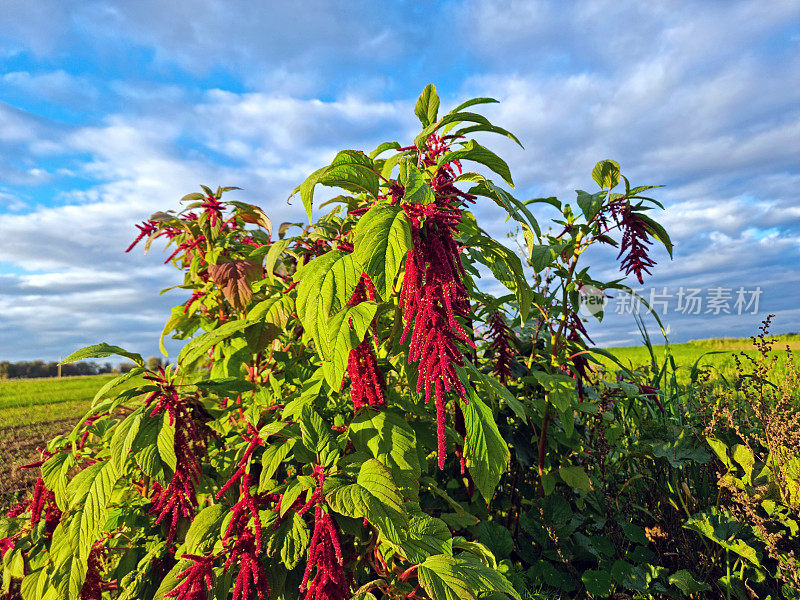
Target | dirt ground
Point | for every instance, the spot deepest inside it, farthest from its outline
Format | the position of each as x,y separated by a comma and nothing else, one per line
18,447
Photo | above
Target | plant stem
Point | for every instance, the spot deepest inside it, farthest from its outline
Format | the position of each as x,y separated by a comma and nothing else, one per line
555,342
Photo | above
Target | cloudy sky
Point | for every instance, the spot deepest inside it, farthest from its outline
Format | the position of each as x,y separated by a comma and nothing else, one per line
110,111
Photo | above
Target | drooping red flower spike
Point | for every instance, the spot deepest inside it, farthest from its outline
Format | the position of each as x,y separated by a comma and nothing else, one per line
635,243
433,294
367,384
179,498
251,581
42,501
92,588
196,580
324,553
501,346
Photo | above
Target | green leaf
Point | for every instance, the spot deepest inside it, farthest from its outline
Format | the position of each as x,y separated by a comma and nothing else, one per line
606,174
275,251
101,351
171,580
326,285
34,585
446,577
226,387
417,189
390,163
427,536
343,338
543,256
382,238
446,123
271,459
276,311
205,529
293,491
506,266
383,148
485,449
427,107
54,475
93,515
292,538
166,443
559,388
744,456
504,394
576,477
199,346
658,231
723,530
79,485
490,129
590,203
350,170
70,567
375,497
387,436
497,390
145,448
634,533
515,209
475,152
495,537
473,102
118,382
598,583
124,435
182,323
317,436
686,582
721,450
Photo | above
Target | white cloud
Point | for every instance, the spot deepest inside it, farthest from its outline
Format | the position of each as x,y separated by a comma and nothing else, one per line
662,88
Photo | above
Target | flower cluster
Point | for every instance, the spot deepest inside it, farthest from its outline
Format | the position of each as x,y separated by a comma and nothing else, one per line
635,238
433,294
195,580
92,588
577,334
251,580
367,383
43,501
324,552
179,498
501,346
247,543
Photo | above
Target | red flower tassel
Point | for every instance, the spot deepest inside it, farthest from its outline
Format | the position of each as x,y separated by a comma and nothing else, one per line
324,554
433,294
195,580
367,383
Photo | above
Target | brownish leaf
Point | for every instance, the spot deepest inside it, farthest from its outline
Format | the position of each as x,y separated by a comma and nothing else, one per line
258,217
234,278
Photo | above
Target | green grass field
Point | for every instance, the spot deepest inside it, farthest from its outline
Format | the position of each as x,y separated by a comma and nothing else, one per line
32,411
715,355
26,401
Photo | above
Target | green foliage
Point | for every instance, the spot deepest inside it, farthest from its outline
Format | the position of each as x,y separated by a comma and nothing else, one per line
291,446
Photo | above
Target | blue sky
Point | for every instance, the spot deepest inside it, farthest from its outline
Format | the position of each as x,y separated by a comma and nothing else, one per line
110,111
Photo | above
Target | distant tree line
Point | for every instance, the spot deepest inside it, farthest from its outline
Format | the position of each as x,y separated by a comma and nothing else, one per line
40,368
